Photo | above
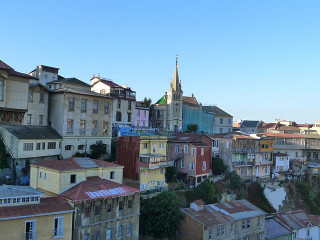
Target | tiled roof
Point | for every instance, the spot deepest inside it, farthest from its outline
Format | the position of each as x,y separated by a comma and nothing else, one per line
305,125
275,229
5,66
95,188
16,191
162,101
244,137
183,137
79,91
280,135
298,219
31,132
19,74
199,202
267,125
288,128
46,206
280,154
220,213
192,101
110,83
218,112
71,164
71,81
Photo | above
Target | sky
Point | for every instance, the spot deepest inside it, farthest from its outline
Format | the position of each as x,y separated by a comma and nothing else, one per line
257,60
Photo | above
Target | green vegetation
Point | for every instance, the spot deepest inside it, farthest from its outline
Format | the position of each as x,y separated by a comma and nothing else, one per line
98,150
160,215
171,174
147,102
4,156
218,166
233,180
192,128
310,198
257,198
206,191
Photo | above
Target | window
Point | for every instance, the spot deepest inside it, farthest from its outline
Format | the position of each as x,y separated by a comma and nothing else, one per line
108,234
84,105
129,105
81,147
85,237
14,117
73,178
266,170
259,221
161,145
129,229
158,114
119,103
191,165
52,145
144,113
129,117
106,108
30,230
259,236
40,120
112,175
185,150
120,206
95,106
232,227
308,232
145,145
42,97
210,234
105,127
70,104
30,96
109,209
67,147
177,148
118,116
1,90
227,144
58,227
129,204
97,235
193,151
182,163
28,147
119,231
202,151
82,126
70,125
204,165
97,210
138,123
28,118
221,130
94,126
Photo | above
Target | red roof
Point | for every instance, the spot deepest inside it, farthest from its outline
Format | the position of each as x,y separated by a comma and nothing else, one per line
46,206
283,135
95,188
267,125
305,125
199,202
5,66
110,83
71,164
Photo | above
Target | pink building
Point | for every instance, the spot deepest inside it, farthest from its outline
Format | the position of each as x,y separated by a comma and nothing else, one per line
141,116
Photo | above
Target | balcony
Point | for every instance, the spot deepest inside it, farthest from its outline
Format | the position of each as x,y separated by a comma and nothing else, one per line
244,150
243,163
153,161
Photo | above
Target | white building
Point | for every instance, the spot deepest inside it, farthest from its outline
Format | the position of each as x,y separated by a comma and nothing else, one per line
45,74
123,100
281,164
222,121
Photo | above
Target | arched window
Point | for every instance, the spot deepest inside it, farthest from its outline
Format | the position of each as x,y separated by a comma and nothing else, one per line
158,114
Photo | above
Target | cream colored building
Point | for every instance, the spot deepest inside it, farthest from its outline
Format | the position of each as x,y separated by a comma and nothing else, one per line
54,177
26,215
123,103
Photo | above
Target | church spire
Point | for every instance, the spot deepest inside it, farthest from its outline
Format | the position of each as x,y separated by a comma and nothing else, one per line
175,84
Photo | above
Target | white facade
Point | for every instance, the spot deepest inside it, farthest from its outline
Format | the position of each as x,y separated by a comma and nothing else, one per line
45,74
311,232
281,164
222,124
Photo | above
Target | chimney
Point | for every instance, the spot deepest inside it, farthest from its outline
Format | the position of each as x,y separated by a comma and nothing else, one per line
192,95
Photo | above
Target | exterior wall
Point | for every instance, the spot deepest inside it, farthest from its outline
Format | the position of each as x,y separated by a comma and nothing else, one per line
225,152
190,229
59,115
16,93
43,227
141,117
152,178
302,233
281,163
38,153
57,182
37,108
222,127
9,138
44,76
284,237
197,116
206,157
161,120
100,222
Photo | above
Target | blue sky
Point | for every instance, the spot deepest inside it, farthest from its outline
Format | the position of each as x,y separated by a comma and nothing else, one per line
257,60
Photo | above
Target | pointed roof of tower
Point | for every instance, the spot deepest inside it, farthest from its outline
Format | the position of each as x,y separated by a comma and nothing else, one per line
175,83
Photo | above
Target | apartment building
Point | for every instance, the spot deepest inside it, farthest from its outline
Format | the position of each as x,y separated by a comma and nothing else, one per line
222,121
141,116
229,220
144,157
25,214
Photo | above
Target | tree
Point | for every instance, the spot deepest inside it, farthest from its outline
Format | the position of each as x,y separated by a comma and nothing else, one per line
218,166
192,127
206,191
147,102
234,181
160,215
257,198
98,149
171,174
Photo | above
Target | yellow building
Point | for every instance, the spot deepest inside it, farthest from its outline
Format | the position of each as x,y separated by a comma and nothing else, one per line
54,177
144,157
25,215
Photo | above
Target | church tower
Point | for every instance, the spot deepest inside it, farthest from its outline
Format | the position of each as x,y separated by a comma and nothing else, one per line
174,101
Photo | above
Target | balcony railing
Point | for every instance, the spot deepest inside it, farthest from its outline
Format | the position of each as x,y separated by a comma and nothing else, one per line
243,163
244,150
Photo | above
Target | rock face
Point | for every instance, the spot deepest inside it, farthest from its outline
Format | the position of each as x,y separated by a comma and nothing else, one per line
275,195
